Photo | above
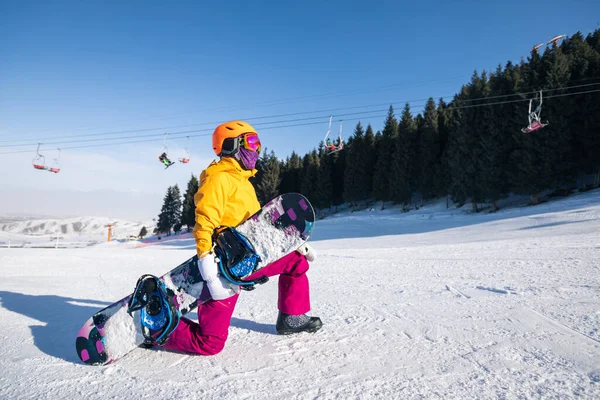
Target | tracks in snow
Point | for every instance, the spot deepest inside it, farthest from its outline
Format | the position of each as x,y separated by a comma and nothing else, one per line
561,325
457,292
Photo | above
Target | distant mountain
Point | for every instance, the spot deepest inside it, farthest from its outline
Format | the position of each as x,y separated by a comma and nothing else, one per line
86,226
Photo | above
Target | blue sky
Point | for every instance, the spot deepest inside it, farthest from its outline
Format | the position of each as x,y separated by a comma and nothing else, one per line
80,68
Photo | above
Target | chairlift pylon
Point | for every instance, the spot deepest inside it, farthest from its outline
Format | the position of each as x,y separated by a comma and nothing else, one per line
556,39
536,48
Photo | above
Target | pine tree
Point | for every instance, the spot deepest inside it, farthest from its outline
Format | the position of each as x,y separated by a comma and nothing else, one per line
188,213
176,206
557,75
351,177
430,149
323,188
415,162
366,163
457,152
400,167
385,148
267,188
337,165
170,213
593,40
360,165
143,232
442,176
470,126
310,166
290,174
163,224
497,142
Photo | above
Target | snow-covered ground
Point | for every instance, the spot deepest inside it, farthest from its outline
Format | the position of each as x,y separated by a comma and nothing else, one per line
433,303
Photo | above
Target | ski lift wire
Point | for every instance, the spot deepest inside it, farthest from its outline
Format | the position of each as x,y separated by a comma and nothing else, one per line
211,124
299,124
484,101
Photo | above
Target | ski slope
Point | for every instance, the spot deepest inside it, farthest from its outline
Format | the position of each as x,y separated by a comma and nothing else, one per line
433,303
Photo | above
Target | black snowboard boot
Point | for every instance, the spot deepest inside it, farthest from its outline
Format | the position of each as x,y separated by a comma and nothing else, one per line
287,324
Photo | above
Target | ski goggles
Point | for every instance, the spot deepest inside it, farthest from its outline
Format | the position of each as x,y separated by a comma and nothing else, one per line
250,141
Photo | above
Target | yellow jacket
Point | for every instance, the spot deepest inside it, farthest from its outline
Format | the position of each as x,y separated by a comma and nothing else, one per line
225,197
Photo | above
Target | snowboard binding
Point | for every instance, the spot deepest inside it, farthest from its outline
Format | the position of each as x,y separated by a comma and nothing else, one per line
236,257
158,315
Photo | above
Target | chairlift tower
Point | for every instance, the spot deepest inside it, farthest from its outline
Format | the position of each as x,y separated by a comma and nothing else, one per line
556,39
110,226
536,48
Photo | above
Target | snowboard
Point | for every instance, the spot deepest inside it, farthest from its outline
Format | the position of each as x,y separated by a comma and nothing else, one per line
277,229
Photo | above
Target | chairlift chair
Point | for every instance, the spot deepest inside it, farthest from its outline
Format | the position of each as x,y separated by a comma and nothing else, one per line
330,147
56,165
164,158
535,122
340,142
186,153
39,161
326,140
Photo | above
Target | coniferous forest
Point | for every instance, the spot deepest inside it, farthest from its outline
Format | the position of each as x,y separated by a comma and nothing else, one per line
470,150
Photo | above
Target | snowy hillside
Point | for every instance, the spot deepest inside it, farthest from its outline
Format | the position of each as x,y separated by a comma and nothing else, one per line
68,226
80,230
433,304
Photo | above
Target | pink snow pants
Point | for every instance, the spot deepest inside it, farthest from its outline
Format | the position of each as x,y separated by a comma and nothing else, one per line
208,336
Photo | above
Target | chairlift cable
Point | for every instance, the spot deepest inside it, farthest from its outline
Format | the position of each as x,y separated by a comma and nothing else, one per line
112,141
32,141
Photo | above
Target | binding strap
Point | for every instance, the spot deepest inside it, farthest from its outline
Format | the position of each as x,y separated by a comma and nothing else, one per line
236,257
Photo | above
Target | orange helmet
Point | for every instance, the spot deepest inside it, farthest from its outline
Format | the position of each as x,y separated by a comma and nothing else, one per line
231,129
